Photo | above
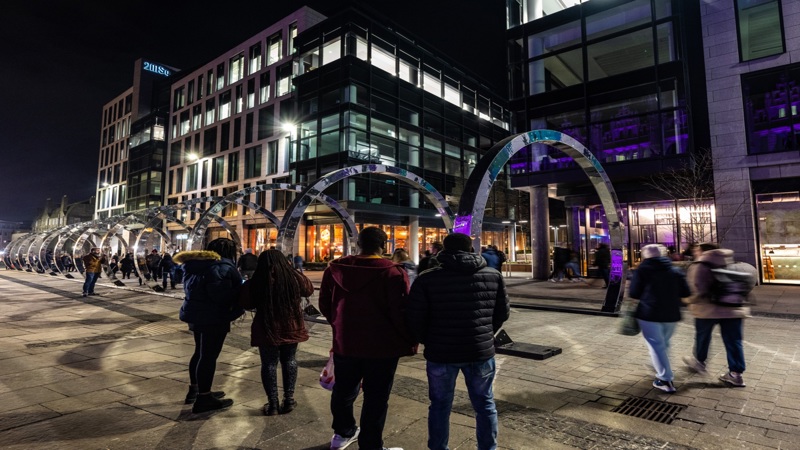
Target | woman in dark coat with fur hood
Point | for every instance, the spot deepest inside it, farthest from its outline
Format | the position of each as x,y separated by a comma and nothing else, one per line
211,284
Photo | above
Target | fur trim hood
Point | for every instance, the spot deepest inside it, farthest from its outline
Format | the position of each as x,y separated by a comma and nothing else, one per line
196,255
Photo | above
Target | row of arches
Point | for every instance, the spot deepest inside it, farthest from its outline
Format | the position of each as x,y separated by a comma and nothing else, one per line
43,252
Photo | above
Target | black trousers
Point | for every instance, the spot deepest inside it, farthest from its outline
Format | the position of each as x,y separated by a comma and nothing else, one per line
375,376
207,347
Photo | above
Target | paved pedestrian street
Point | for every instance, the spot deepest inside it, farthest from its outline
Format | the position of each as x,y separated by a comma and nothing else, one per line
109,372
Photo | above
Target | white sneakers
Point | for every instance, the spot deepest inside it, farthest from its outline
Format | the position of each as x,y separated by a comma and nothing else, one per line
694,365
341,442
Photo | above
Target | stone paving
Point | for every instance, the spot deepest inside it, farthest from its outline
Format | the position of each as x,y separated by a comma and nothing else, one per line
110,372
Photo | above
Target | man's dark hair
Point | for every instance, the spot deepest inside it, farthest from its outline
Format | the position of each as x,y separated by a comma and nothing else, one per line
224,247
438,246
457,242
372,240
706,246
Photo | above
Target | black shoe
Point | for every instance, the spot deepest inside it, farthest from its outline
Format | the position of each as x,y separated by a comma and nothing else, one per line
288,405
206,403
270,410
93,293
191,396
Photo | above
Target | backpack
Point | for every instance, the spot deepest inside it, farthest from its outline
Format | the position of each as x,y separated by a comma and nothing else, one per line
730,287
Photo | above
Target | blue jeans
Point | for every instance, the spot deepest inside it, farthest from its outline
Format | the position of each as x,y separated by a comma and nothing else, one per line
91,279
657,336
576,271
478,376
375,376
731,332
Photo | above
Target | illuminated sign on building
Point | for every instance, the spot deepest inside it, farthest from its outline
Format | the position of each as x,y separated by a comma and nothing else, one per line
156,68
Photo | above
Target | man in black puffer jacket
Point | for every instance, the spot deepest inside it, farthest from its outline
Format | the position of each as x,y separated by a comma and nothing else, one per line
455,310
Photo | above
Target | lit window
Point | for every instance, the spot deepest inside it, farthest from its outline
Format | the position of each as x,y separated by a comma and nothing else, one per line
331,51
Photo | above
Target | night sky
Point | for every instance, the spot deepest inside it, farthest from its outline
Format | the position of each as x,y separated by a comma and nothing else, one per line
63,60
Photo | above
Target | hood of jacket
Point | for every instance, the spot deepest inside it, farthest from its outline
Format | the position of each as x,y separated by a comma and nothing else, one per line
717,258
196,261
353,273
463,262
659,263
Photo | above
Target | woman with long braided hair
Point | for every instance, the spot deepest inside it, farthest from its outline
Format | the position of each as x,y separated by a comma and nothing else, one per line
275,292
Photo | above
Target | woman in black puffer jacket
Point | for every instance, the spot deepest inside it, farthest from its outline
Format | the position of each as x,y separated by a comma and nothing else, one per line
211,284
659,286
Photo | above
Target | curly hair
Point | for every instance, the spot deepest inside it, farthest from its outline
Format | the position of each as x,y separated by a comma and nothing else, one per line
275,291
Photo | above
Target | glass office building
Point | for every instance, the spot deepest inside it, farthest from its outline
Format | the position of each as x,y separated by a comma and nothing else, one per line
624,78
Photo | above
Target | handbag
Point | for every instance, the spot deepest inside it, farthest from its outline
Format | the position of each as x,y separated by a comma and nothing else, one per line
629,326
326,377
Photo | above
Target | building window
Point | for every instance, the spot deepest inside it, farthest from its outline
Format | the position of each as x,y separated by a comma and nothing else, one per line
274,48
225,105
218,171
760,28
210,111
272,157
191,177
252,162
771,103
331,51
263,87
284,79
237,68
233,167
255,58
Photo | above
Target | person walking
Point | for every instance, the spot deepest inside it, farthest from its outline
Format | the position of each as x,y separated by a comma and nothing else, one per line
364,297
560,260
602,259
659,286
126,265
211,285
454,311
707,314
167,268
400,256
93,264
153,260
275,291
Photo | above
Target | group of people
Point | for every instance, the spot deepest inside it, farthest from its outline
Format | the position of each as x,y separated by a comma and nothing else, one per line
379,310
662,287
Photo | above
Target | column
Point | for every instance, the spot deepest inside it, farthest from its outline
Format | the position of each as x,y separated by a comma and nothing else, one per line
413,238
540,236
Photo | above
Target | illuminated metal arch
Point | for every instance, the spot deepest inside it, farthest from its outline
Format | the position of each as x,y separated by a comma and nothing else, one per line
71,234
55,266
12,251
294,213
23,241
238,198
163,212
476,192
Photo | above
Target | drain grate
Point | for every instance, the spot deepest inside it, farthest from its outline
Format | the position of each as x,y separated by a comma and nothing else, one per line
645,408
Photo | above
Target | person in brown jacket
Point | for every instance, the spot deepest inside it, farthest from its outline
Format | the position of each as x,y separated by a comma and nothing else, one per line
707,314
275,291
93,262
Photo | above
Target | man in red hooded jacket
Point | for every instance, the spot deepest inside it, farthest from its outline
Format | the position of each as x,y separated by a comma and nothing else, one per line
364,297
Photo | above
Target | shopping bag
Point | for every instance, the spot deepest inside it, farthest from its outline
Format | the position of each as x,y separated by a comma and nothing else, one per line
326,378
629,326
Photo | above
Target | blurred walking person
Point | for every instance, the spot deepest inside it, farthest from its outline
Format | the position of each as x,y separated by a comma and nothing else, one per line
659,286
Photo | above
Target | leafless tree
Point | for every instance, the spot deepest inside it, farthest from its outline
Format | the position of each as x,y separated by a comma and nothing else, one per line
692,187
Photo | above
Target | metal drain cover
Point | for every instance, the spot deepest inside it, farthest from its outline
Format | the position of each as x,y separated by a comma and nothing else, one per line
653,410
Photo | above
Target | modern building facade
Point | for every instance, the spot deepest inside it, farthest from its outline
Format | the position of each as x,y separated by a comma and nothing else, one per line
309,95
626,79
752,51
116,140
